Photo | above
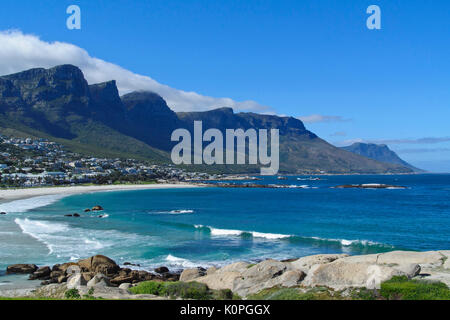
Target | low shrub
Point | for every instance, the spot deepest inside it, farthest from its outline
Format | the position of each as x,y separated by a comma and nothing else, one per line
148,287
402,288
185,290
72,294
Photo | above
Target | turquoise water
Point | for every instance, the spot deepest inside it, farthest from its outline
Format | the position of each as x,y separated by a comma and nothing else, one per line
182,228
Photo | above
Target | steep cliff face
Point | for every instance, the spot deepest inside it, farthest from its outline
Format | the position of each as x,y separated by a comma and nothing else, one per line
48,100
106,105
150,119
59,103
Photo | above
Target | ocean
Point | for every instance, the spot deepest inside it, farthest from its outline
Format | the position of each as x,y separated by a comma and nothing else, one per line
182,228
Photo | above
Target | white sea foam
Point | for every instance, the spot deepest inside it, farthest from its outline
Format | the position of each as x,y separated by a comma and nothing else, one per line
25,205
254,234
176,211
181,211
225,232
270,235
177,262
347,243
71,243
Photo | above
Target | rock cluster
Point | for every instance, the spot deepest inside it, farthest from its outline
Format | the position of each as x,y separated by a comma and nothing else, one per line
336,271
93,271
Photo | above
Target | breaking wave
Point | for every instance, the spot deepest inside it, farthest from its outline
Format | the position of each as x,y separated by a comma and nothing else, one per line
25,205
292,238
69,242
176,211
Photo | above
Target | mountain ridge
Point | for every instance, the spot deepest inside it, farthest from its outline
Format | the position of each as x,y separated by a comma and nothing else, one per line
59,103
379,152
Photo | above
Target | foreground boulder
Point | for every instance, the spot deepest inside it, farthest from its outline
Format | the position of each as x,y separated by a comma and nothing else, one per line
244,279
21,268
342,274
263,275
76,281
305,263
425,259
99,280
99,264
191,274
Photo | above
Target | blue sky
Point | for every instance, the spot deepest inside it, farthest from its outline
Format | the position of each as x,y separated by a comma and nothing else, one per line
300,58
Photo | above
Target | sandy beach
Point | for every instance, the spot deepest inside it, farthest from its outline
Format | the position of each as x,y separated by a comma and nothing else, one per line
15,194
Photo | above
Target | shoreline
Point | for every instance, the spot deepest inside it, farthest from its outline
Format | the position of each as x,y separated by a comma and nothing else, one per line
339,273
7,195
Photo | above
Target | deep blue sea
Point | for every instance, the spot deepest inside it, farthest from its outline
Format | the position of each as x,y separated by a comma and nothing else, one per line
182,228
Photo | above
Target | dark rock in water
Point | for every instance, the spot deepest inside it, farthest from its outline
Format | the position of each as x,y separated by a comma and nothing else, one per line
63,267
87,210
21,268
43,273
68,215
131,264
56,274
2,213
76,215
162,270
97,208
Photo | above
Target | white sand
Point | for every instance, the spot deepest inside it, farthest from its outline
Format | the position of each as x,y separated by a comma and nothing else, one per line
14,194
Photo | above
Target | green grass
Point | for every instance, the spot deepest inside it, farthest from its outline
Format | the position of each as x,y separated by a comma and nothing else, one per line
184,290
148,287
401,288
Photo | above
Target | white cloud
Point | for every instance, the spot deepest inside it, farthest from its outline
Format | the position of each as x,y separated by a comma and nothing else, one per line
348,142
316,118
20,51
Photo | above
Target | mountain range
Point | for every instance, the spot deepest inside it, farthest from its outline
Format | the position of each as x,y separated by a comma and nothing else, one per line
379,152
59,104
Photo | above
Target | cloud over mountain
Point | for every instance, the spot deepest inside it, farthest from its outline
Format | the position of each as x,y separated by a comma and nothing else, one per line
19,51
315,118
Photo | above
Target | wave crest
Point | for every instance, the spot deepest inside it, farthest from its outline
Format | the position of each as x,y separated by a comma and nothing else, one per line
24,205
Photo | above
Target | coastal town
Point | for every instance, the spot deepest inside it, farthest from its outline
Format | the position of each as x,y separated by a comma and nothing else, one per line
32,162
